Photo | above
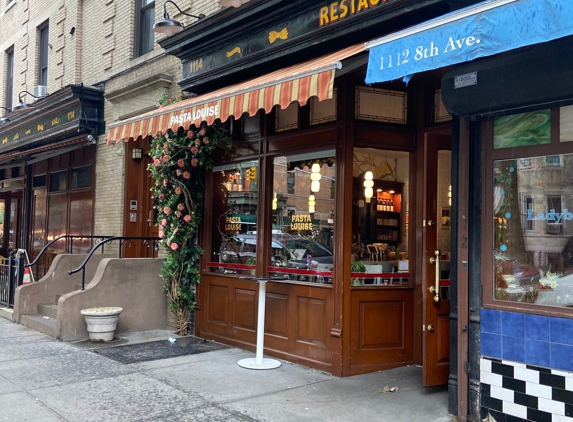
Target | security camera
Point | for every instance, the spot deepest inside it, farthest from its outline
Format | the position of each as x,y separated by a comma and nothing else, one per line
92,140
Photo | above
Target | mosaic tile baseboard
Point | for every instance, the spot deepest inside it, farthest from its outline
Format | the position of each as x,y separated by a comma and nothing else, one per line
516,392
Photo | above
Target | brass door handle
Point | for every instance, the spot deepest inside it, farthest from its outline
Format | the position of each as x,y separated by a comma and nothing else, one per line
430,328
436,288
431,223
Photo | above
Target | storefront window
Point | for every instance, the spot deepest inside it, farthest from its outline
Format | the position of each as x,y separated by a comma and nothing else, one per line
380,214
236,195
303,217
533,230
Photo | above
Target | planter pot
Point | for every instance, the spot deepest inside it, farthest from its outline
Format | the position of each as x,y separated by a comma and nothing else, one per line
101,322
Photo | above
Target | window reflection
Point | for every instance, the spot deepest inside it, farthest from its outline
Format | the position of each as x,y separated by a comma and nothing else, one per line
533,230
303,217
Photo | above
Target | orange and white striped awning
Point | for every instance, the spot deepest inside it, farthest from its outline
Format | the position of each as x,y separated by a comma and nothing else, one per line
282,87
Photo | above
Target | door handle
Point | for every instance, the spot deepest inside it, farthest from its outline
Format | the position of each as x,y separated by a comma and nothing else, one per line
150,218
430,328
436,288
431,223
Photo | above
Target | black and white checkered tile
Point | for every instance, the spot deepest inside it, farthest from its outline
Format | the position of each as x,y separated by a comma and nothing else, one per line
516,392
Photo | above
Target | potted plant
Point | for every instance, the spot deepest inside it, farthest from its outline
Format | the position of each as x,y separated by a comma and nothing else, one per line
357,267
101,322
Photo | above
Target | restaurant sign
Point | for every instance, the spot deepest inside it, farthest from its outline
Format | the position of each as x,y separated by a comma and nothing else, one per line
35,127
285,31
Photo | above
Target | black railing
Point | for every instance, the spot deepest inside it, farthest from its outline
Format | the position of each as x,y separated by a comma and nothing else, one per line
11,276
152,242
69,242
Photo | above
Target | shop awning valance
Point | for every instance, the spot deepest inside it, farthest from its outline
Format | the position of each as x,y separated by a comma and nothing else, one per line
282,87
482,30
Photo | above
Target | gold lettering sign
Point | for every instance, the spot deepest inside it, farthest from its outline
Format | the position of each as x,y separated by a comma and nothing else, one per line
28,131
232,224
342,9
40,128
16,136
5,140
195,65
55,121
301,222
71,115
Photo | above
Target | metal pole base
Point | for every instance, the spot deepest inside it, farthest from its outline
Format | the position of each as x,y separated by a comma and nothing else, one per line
251,363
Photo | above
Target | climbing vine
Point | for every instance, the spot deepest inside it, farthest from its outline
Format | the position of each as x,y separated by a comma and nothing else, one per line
180,160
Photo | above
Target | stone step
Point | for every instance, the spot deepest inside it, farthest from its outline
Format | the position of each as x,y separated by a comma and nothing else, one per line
48,309
39,323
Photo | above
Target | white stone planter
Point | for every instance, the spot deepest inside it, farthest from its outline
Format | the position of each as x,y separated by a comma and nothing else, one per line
101,322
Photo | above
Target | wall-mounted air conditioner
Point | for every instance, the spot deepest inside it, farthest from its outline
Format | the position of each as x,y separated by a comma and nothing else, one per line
40,91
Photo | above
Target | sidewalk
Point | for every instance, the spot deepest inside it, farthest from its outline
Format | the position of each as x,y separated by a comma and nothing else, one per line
43,379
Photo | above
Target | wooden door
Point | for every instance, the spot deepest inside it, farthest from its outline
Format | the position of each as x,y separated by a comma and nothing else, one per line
436,303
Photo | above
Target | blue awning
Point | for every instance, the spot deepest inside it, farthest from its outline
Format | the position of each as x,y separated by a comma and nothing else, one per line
482,30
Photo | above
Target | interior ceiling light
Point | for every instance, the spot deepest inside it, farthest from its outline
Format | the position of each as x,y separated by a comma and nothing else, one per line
368,185
315,177
22,105
169,26
3,119
232,3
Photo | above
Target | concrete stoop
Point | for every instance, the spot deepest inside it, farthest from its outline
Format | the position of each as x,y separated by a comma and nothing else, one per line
41,323
132,284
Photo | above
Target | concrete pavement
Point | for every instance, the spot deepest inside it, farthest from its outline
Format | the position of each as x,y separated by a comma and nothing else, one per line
43,379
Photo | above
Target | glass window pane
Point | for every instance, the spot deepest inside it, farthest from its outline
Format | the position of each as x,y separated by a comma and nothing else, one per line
58,181
533,228
235,218
518,130
303,217
380,213
39,181
82,177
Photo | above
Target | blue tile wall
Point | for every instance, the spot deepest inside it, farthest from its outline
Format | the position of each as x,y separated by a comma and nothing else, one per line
530,339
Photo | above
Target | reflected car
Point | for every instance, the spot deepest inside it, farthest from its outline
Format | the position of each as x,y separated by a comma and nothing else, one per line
287,251
514,280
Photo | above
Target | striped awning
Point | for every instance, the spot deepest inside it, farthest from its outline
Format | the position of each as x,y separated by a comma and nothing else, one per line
282,87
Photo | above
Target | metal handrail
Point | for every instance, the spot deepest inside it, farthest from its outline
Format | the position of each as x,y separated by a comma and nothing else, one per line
82,267
64,236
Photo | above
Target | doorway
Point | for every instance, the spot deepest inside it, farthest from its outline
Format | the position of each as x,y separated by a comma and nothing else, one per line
10,222
388,329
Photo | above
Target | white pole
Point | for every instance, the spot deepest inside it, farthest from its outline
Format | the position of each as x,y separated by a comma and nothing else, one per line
259,362
261,321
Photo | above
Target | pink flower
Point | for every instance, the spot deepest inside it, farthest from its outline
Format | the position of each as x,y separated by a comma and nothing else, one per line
161,195
187,175
167,210
165,158
169,100
205,140
194,162
190,134
187,218
178,190
175,231
165,182
181,207
174,246
156,162
161,234
178,172
178,215
194,150
203,132
181,163
164,222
